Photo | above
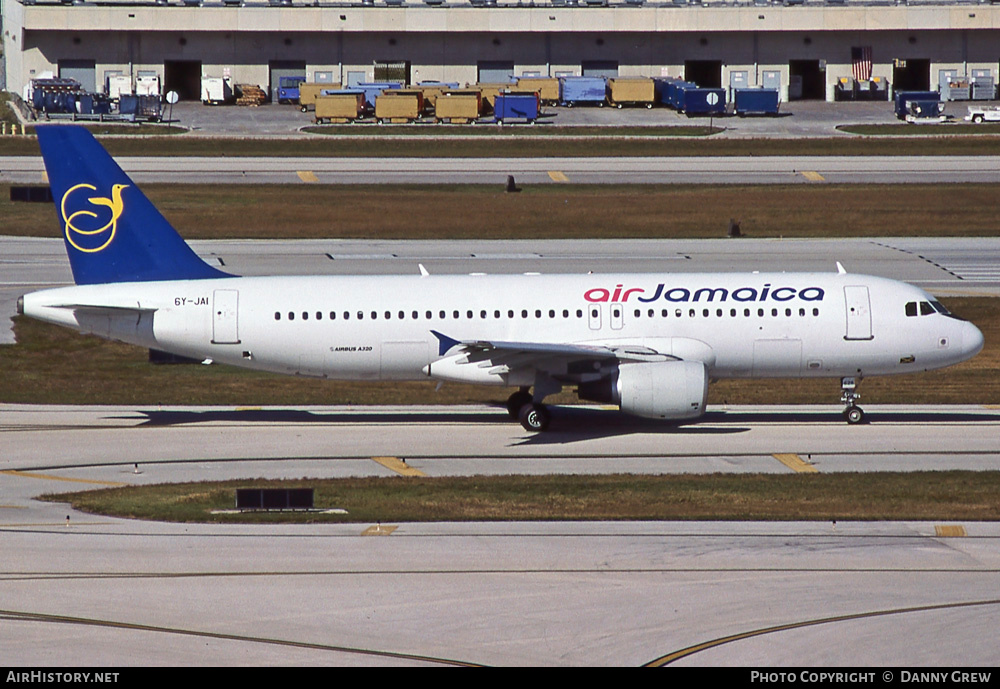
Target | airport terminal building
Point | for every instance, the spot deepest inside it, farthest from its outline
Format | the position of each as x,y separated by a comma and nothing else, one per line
802,47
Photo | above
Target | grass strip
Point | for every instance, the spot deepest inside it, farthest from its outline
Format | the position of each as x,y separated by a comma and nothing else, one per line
551,211
522,146
921,130
53,365
948,495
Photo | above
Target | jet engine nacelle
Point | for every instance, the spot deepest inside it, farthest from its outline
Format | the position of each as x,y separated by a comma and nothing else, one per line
658,390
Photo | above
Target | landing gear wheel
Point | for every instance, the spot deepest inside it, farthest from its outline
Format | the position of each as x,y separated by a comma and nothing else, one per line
854,415
516,401
534,417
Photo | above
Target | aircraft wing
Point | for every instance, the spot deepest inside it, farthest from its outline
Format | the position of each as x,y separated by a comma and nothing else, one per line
499,351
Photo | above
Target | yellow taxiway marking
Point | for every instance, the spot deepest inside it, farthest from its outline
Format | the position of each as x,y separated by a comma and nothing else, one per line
813,176
49,477
307,176
398,465
795,463
950,531
379,530
557,176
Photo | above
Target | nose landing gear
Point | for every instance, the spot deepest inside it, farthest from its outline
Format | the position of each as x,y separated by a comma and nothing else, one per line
853,414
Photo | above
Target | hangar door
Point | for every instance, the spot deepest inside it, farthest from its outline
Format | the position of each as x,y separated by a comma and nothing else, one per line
706,73
599,68
911,75
393,70
84,71
184,77
284,68
806,80
495,71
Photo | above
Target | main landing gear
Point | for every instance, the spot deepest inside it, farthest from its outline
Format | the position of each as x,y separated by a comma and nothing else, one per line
853,414
533,416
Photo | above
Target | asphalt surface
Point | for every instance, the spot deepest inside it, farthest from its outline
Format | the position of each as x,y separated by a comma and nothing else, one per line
87,590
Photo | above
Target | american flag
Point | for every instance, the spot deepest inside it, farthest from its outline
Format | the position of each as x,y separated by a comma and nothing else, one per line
861,58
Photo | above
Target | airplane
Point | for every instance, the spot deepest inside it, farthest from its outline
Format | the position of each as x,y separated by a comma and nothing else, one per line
649,343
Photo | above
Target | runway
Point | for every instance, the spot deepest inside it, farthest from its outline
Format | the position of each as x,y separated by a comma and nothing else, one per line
88,590
554,170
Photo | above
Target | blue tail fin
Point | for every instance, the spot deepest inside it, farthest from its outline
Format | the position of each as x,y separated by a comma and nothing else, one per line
112,231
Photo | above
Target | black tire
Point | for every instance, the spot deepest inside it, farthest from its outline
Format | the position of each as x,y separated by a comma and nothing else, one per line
534,418
516,401
854,415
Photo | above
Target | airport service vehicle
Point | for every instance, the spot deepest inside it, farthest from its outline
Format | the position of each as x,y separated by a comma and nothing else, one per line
983,113
648,343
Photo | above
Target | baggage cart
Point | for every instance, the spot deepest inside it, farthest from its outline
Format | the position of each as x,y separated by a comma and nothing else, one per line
582,91
631,91
340,107
547,88
398,107
516,107
755,101
458,107
704,101
308,91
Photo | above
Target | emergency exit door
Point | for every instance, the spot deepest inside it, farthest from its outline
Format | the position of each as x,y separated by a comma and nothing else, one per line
225,316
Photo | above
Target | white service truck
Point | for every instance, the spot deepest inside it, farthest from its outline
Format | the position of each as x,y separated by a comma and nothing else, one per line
983,113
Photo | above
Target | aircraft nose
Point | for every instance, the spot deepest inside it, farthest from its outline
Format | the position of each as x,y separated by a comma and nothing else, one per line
972,340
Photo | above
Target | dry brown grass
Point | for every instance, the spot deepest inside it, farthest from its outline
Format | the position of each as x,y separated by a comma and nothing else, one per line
552,211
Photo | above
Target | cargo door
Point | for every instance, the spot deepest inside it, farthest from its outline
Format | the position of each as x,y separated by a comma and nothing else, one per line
84,71
859,316
777,358
225,313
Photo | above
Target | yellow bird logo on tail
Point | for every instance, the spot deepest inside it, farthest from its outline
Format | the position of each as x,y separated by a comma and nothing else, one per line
115,206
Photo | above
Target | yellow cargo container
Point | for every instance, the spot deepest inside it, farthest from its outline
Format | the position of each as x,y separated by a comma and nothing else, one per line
458,106
308,92
397,107
416,92
490,91
547,88
340,107
631,91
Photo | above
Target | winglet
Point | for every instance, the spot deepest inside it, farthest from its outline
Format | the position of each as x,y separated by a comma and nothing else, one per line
444,342
112,232
840,269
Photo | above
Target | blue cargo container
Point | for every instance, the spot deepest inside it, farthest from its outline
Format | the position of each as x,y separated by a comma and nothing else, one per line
676,93
522,107
703,101
374,88
574,90
755,101
902,99
288,89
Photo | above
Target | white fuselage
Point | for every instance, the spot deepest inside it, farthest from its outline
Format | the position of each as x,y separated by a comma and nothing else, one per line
378,327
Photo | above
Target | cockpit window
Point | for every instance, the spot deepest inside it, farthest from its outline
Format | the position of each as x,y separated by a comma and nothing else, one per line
940,308
926,309
911,308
